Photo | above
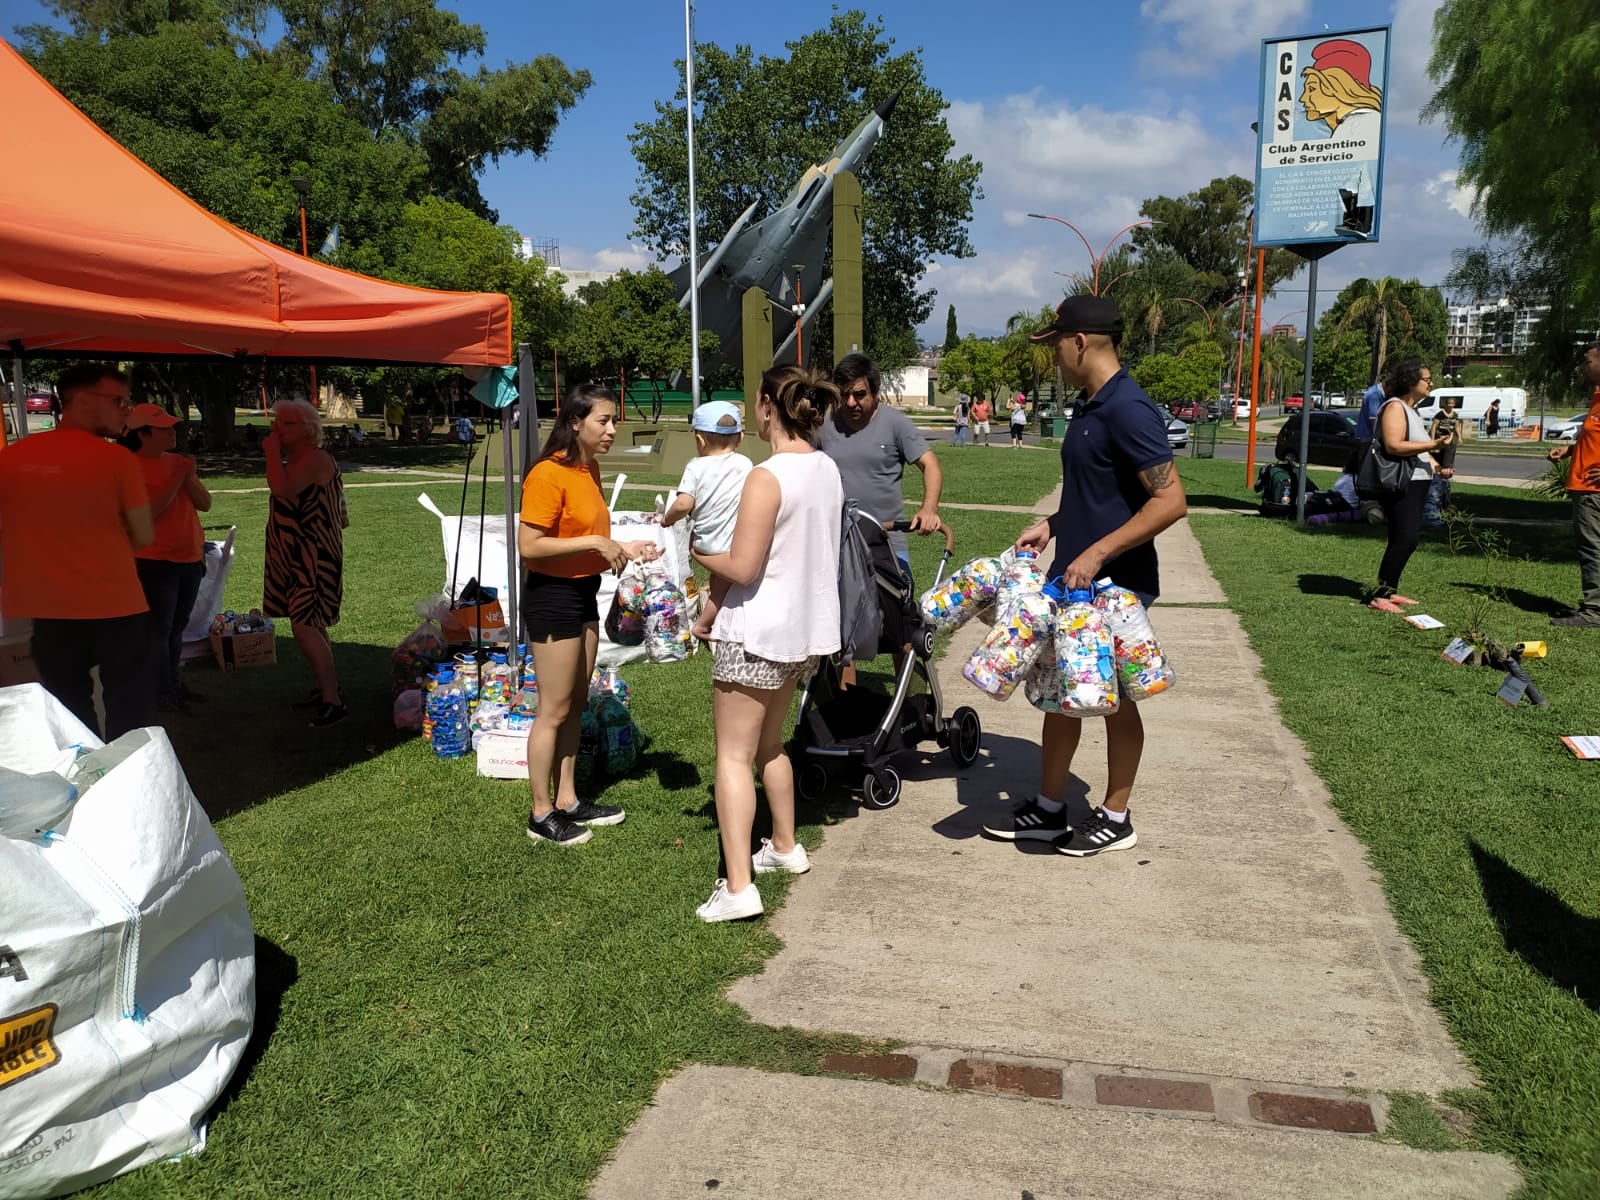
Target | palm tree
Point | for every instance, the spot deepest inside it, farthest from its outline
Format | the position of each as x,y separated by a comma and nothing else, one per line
1031,361
1373,303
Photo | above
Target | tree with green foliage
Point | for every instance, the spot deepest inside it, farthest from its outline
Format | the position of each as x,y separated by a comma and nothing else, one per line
394,67
1169,378
1209,230
976,367
628,330
952,337
1028,362
1414,323
1376,305
764,119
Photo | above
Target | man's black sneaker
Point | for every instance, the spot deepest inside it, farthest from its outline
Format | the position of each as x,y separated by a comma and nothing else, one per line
329,714
1029,821
555,826
587,812
1098,833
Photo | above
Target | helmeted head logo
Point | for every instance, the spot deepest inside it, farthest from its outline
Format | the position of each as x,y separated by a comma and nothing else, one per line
1338,84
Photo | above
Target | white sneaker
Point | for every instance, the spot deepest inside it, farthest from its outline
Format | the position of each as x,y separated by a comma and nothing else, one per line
766,860
730,906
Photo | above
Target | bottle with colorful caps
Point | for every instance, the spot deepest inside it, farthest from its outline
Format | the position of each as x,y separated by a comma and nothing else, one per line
1141,666
966,593
1020,635
451,732
1086,671
1020,573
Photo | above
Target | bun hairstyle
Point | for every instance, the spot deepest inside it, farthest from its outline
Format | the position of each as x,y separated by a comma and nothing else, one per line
800,397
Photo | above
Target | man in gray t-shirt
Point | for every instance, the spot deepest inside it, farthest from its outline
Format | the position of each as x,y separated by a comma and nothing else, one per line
871,445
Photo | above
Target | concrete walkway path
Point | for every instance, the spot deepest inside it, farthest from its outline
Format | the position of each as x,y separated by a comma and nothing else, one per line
1213,1013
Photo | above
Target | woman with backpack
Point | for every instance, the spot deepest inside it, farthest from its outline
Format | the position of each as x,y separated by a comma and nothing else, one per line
1403,436
780,616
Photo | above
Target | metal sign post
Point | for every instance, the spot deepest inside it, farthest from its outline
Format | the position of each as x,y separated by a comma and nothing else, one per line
1319,161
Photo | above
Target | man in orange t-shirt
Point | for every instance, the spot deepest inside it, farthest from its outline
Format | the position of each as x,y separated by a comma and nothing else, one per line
1583,485
73,509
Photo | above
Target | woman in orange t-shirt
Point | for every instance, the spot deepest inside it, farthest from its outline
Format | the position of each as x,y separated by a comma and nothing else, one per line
565,543
172,566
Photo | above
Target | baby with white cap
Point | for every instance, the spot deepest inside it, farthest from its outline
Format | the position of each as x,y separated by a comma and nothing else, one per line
709,493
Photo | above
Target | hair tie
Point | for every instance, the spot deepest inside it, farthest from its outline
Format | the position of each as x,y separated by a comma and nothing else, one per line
810,397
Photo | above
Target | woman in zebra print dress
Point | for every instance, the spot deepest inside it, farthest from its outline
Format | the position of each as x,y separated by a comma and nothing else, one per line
305,547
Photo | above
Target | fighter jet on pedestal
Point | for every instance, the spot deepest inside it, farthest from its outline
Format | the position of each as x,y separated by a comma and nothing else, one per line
766,254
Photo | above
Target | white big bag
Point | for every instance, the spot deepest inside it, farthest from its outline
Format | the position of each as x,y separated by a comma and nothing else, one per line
127,959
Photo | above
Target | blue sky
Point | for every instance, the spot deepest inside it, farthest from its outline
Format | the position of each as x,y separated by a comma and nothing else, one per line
1082,113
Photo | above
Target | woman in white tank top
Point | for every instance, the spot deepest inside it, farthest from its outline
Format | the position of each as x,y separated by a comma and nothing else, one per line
780,616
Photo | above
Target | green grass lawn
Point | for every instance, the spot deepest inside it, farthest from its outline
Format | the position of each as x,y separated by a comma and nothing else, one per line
447,1009
1483,825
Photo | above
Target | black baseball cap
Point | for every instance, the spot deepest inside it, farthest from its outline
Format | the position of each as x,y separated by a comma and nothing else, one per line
1082,314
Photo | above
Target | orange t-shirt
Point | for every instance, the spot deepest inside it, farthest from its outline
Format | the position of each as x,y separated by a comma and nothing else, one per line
63,546
566,500
178,537
1586,449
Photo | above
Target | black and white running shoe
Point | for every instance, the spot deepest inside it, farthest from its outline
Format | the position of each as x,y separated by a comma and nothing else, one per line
587,812
555,826
1098,833
1029,821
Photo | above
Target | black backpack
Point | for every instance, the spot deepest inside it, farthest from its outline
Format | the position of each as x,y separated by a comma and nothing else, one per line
860,617
1276,484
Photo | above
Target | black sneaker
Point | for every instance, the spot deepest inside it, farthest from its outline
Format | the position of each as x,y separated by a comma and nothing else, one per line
313,699
1027,821
556,827
587,812
330,714
1098,833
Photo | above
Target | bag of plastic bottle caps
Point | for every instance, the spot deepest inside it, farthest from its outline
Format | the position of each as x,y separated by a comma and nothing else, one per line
490,716
447,708
625,623
1141,666
618,745
1021,633
666,618
1042,686
584,765
413,659
968,592
606,682
1020,574
408,710
1086,667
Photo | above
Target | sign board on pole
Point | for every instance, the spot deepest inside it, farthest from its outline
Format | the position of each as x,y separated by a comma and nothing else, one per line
1319,153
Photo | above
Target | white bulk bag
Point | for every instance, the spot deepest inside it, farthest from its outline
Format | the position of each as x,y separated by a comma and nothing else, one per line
127,959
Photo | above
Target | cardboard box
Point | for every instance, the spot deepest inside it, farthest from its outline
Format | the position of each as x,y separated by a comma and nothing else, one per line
16,659
474,623
503,754
234,650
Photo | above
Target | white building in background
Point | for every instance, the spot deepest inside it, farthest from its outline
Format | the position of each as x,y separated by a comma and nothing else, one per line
1491,327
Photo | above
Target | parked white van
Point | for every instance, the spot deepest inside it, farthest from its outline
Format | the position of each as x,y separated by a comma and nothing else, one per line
1472,403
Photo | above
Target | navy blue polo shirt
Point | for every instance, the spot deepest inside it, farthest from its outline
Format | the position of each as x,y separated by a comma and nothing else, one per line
1113,436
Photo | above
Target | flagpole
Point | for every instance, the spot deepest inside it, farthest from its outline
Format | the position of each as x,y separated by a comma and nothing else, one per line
694,251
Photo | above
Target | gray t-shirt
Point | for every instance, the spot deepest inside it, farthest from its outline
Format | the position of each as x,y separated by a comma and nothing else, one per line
872,460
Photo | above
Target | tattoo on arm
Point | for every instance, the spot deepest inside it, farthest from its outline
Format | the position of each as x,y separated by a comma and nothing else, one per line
1158,478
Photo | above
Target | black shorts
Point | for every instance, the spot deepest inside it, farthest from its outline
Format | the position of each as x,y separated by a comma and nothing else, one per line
555,608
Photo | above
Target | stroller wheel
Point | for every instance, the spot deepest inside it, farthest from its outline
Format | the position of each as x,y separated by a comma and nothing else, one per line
966,736
811,781
881,788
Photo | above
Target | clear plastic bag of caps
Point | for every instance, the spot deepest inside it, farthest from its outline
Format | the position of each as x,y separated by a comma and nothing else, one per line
625,623
1020,635
1086,668
666,618
966,593
1141,666
1020,574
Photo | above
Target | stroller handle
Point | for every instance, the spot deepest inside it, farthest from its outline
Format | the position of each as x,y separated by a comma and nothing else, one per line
905,527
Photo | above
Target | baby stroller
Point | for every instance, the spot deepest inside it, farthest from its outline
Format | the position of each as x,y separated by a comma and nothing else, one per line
852,732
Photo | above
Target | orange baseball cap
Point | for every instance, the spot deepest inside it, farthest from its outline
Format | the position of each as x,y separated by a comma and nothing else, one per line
150,416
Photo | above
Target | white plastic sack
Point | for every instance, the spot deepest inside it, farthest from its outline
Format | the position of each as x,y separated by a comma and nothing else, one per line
127,958
627,525
208,602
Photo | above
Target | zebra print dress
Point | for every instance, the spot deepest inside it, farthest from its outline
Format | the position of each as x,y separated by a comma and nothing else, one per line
305,556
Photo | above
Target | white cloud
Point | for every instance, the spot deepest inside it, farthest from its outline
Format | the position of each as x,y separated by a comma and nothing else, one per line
1206,35
627,257
1447,187
1410,45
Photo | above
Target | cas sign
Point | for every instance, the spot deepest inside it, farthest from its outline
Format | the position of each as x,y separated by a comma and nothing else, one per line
1319,158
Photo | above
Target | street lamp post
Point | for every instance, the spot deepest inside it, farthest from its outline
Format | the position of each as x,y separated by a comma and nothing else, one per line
694,253
799,310
302,187
1094,259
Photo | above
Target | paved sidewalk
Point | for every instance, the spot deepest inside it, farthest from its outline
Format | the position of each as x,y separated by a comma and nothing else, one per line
1172,1011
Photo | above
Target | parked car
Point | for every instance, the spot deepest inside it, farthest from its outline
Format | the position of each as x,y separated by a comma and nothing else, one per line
1333,439
40,402
1293,403
1177,431
1193,410
1241,408
1565,431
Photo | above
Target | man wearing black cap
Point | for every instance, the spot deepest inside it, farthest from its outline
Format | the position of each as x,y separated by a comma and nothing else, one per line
1118,490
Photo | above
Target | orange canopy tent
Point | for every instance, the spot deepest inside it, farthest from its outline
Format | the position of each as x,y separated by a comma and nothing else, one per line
101,256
